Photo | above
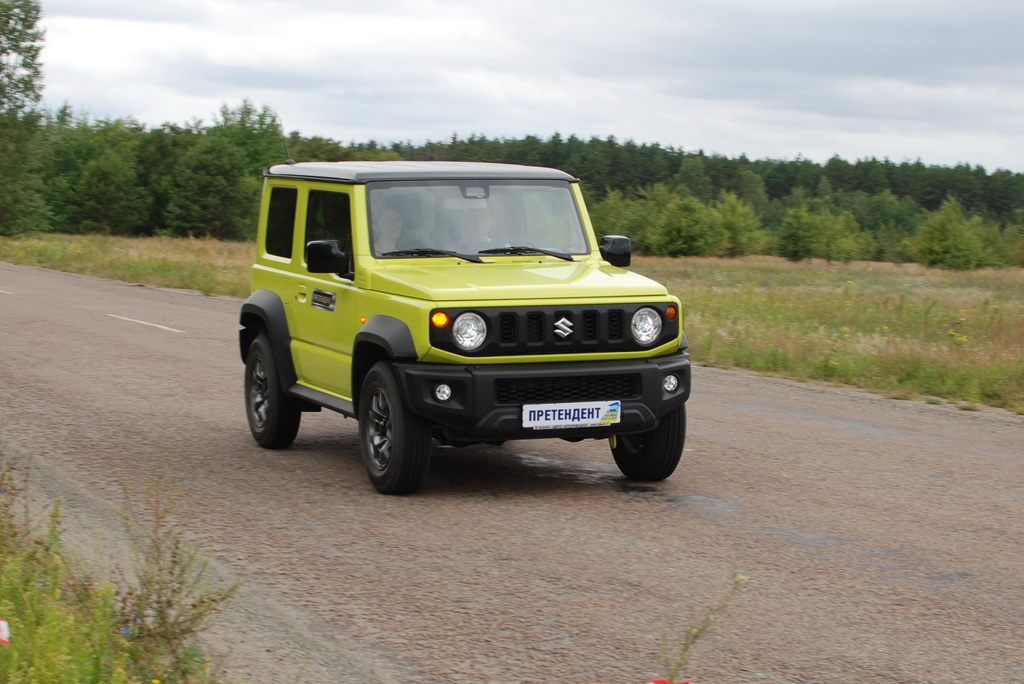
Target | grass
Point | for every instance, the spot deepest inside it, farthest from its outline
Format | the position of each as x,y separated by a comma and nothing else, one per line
209,266
67,626
906,330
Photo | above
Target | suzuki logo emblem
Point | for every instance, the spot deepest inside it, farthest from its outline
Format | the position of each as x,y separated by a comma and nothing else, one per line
563,327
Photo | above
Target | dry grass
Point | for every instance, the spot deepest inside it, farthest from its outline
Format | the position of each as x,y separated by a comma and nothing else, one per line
907,330
203,264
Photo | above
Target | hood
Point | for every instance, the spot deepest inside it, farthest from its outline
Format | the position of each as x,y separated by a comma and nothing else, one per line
511,280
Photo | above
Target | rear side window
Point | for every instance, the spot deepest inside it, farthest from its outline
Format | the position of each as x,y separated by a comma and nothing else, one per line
281,221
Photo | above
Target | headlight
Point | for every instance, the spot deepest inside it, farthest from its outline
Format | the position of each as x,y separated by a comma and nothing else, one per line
469,331
646,325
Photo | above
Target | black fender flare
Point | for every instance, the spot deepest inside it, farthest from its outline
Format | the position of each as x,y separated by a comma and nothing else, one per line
382,338
389,333
264,310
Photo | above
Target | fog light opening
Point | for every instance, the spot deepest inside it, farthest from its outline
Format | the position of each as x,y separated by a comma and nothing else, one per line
443,392
670,383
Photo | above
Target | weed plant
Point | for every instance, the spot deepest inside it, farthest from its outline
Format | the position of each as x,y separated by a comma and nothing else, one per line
675,657
173,596
906,330
66,626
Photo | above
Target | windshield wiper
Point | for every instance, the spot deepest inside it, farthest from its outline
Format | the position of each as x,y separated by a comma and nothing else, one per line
428,252
526,249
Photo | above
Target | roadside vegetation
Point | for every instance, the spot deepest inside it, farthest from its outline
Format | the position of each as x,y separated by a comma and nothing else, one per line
66,625
213,267
909,331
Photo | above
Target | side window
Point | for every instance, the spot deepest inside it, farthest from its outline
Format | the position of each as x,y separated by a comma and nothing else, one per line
281,221
329,217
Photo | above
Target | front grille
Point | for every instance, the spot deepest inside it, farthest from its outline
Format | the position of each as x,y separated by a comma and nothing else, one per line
534,329
589,329
518,331
551,390
507,328
615,325
582,330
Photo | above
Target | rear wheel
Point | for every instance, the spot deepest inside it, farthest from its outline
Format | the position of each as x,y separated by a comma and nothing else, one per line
273,415
652,455
395,444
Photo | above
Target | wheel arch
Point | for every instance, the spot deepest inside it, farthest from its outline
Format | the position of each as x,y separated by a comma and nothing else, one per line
263,312
382,338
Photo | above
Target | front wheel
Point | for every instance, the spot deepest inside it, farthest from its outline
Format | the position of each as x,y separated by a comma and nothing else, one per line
395,444
652,455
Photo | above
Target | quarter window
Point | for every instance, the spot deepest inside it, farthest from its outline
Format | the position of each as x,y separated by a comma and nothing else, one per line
281,221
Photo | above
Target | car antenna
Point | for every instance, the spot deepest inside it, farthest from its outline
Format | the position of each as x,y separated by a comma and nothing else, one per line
287,157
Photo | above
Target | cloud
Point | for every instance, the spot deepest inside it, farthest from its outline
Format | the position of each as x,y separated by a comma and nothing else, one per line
936,80
184,11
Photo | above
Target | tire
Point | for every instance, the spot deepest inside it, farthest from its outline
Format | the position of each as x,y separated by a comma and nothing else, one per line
273,415
652,455
394,443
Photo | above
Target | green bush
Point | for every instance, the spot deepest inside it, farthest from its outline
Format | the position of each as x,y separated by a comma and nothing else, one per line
67,626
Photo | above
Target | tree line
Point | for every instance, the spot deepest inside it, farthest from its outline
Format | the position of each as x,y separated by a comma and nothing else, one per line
675,202
67,172
77,175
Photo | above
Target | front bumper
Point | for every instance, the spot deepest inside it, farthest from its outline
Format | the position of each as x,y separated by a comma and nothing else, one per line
487,400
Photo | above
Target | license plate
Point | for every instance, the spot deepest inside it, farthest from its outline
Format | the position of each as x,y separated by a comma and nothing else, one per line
571,415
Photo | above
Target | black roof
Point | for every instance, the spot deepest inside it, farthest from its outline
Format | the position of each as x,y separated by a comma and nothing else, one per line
366,171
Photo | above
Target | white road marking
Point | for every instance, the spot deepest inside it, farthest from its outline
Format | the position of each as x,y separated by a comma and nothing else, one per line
5,292
154,325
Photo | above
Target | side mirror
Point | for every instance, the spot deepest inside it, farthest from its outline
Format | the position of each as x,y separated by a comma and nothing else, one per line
616,250
324,256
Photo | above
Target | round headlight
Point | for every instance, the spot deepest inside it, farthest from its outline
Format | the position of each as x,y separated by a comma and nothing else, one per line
469,331
646,325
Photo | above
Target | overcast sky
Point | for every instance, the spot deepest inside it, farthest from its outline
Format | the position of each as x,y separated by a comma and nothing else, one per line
937,80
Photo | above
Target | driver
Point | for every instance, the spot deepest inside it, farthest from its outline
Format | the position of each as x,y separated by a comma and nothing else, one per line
475,226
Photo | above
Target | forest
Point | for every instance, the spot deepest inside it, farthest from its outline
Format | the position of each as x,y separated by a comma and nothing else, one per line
67,172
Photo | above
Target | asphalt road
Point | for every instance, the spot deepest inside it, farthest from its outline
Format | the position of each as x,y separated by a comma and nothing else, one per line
884,540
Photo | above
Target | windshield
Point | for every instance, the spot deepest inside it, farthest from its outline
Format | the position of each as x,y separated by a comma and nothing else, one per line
432,218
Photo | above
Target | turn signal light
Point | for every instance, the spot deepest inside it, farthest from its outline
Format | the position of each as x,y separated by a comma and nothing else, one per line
440,319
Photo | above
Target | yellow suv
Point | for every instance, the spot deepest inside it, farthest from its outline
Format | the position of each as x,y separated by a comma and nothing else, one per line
457,302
